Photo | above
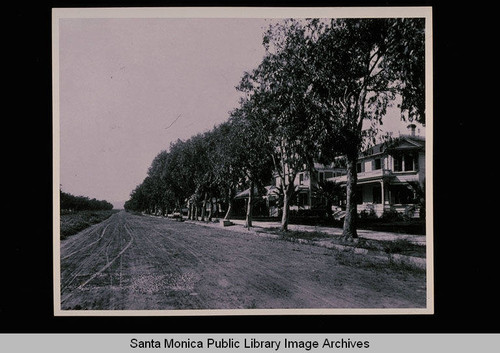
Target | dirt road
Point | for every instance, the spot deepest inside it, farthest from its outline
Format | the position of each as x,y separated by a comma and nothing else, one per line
131,262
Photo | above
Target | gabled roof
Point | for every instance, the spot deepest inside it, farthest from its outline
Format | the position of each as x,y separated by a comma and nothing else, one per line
404,142
407,142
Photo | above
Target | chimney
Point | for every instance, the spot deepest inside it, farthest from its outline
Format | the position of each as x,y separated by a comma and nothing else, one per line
411,129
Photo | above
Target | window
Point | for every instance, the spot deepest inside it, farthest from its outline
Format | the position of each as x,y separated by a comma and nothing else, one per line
377,164
301,179
408,159
328,175
398,163
406,162
303,199
401,194
358,167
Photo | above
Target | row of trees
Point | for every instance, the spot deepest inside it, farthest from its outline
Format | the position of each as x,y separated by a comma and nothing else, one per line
207,166
69,202
320,92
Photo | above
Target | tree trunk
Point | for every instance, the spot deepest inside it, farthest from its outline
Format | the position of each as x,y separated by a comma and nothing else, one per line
329,213
248,220
204,207
229,211
286,206
217,207
349,232
193,205
189,210
211,204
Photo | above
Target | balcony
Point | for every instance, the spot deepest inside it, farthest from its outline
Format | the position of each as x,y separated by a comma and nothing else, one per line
374,174
364,176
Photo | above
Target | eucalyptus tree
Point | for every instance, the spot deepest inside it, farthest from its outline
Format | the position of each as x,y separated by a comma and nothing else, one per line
169,178
134,203
160,194
171,174
278,92
253,151
195,173
175,176
357,68
141,197
226,164
349,71
206,145
179,173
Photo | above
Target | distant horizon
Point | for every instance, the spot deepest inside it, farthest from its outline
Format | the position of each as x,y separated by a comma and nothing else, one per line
118,205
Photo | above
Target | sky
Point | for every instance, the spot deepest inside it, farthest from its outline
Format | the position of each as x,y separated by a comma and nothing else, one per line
128,87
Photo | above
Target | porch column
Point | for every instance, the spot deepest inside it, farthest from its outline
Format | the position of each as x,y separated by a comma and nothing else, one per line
383,194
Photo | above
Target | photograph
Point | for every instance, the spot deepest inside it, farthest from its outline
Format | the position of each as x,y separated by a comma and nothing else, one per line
242,161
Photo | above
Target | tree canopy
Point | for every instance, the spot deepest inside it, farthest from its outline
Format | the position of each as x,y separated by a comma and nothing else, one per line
69,202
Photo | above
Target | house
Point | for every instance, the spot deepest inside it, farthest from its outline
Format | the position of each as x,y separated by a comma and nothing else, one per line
389,174
306,185
264,200
267,200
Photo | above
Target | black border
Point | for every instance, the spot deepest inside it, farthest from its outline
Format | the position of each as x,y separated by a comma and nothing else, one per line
464,293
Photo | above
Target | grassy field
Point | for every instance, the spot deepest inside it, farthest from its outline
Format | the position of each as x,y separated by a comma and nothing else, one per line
72,223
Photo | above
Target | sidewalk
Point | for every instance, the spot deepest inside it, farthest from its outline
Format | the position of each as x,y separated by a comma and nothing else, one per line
259,226
367,234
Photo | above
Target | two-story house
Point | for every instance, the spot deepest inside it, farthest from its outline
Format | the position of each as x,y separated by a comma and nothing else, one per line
306,183
388,174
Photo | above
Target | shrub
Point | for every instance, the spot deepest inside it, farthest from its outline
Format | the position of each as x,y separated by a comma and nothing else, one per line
368,214
391,215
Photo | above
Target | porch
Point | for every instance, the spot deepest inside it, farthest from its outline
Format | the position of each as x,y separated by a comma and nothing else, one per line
374,198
